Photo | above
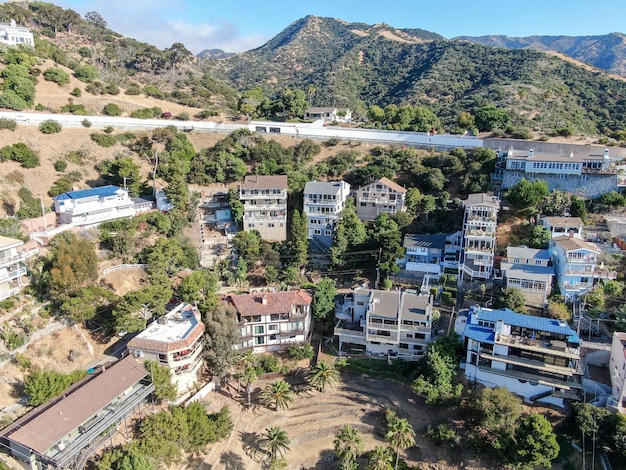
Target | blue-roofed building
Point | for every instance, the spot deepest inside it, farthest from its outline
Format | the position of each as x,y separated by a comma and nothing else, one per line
535,357
97,205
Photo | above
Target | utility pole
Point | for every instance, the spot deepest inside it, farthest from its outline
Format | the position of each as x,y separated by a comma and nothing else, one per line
43,212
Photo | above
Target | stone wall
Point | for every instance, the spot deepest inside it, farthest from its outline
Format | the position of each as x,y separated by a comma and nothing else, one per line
593,187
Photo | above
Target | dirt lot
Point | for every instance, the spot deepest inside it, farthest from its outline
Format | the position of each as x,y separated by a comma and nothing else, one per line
314,418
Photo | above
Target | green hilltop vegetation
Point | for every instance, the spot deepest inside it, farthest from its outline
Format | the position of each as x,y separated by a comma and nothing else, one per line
346,64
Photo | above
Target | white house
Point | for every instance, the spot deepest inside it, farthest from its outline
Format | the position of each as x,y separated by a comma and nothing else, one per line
379,322
323,202
12,268
563,226
479,236
264,201
617,370
12,34
380,196
270,321
329,114
175,340
535,357
97,205
530,271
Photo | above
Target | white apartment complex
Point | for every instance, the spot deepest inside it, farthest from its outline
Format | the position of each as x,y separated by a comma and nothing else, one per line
396,323
12,268
270,321
323,203
535,357
12,34
264,201
175,340
378,197
479,236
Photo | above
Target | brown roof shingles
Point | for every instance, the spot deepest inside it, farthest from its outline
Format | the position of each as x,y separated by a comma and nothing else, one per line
265,182
51,425
276,302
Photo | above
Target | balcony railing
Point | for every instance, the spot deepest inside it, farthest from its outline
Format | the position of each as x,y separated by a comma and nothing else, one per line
554,348
538,379
12,259
8,293
13,274
320,202
265,207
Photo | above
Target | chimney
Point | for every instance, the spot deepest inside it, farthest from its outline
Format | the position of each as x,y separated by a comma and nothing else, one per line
264,300
571,155
606,154
571,233
531,153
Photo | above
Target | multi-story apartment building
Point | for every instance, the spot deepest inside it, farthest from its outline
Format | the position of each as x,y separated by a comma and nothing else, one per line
396,323
323,202
479,236
530,271
534,357
270,321
12,34
175,340
576,265
563,226
424,254
381,196
264,201
97,205
12,268
583,175
617,370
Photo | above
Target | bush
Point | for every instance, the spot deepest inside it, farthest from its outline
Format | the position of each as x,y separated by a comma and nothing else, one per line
20,153
40,107
60,186
103,140
440,433
446,298
133,89
76,92
50,126
86,73
522,133
77,109
84,52
146,113
60,165
111,89
109,129
6,123
298,352
11,100
86,123
564,132
151,90
56,75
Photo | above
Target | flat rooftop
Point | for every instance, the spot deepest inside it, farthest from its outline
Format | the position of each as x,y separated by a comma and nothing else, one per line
177,329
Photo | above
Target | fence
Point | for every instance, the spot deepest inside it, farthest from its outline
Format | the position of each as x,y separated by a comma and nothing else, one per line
123,266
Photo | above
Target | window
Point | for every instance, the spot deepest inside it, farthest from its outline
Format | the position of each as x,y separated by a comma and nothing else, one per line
317,232
270,225
328,233
272,327
259,330
259,340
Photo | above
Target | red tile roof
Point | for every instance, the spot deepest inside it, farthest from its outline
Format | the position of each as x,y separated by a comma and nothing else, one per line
275,302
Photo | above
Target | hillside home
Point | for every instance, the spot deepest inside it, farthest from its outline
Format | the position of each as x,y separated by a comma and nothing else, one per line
12,268
380,196
479,236
175,340
328,114
585,175
67,430
534,357
530,271
617,370
424,254
270,321
264,201
323,202
97,205
576,265
396,323
563,226
12,34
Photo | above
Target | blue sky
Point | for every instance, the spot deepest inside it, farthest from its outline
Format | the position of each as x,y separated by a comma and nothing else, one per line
239,25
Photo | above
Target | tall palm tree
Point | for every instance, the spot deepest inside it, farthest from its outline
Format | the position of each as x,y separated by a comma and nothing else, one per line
323,375
348,445
249,377
277,394
276,441
380,459
400,434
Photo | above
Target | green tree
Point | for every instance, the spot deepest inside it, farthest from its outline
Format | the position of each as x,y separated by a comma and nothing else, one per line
275,441
248,245
527,194
277,394
413,201
539,238
73,265
200,286
400,435
348,446
161,377
111,109
489,118
323,375
380,458
86,302
578,208
42,385
388,239
535,443
221,334
298,243
294,102
511,298
324,298
248,378
56,75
